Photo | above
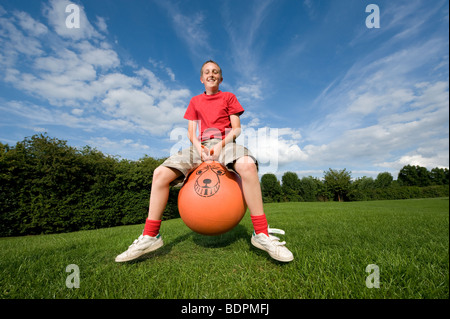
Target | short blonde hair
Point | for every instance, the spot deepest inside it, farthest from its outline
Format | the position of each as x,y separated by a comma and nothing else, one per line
211,61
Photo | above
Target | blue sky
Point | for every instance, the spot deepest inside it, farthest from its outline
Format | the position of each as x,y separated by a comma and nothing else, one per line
321,90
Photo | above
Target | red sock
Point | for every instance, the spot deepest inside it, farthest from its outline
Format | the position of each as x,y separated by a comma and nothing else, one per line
260,224
151,227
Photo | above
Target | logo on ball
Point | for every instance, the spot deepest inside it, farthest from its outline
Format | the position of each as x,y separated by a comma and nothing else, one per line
208,182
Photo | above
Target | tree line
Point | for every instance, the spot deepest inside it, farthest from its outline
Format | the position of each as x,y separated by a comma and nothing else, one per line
338,185
47,186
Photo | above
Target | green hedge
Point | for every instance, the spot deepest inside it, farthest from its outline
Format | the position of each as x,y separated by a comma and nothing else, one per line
49,187
403,192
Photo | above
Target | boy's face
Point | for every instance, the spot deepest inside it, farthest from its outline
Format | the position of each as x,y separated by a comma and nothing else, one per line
211,77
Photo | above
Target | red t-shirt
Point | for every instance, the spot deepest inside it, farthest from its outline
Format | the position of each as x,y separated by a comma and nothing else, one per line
213,113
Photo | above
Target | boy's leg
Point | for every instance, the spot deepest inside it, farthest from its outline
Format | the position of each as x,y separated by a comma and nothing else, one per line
246,168
159,195
162,177
150,240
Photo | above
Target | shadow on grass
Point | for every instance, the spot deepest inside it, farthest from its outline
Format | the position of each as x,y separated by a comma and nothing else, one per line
223,240
263,254
219,241
164,250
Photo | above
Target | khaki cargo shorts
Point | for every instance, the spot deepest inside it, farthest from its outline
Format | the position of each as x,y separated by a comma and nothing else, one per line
188,159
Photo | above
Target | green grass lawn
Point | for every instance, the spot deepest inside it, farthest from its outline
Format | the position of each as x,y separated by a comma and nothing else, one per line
332,242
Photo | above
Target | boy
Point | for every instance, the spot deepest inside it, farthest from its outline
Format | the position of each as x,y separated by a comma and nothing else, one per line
216,115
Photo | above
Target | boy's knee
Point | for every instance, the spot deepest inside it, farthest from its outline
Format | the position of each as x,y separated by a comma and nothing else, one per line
162,175
246,166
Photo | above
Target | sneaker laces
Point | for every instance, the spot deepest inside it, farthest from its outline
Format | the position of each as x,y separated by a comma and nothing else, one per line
137,240
275,240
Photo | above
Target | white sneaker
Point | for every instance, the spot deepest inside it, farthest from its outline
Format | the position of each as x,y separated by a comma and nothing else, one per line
140,247
272,245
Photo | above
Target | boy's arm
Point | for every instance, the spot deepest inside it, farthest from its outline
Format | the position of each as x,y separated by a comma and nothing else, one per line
235,130
192,134
215,151
231,135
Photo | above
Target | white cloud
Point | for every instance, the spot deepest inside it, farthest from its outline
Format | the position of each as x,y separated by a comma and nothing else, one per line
247,38
379,124
250,91
190,28
39,129
251,119
369,102
103,56
79,76
411,129
160,65
57,15
28,24
273,147
431,155
77,112
15,41
119,147
384,112
101,24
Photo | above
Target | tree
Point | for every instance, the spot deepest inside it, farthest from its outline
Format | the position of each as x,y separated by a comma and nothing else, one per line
324,194
270,188
360,188
338,182
414,176
291,187
439,176
309,188
364,183
383,180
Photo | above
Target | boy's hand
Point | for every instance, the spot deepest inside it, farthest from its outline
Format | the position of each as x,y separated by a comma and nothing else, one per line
211,155
205,154
215,151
